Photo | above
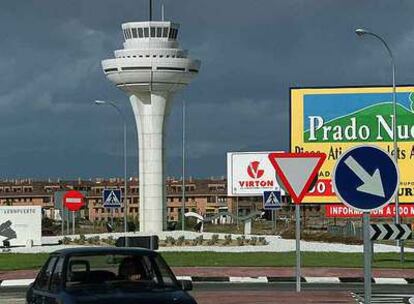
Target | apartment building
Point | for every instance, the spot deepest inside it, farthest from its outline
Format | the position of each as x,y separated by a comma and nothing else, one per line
203,196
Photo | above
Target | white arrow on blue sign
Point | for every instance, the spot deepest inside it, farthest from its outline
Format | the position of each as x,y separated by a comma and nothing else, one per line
271,200
112,198
365,178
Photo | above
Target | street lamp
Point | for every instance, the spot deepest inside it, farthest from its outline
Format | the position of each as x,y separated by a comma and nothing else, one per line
361,32
183,172
112,104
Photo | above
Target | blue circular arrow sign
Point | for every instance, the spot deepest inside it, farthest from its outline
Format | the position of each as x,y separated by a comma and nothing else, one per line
365,178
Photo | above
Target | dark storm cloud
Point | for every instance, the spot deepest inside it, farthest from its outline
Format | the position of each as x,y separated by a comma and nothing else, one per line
251,51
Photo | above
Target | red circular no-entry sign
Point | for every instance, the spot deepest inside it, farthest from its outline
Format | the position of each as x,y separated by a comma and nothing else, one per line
73,200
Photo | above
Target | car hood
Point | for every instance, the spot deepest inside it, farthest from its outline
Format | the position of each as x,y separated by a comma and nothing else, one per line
159,297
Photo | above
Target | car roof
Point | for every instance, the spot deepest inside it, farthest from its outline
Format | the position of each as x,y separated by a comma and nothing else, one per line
103,250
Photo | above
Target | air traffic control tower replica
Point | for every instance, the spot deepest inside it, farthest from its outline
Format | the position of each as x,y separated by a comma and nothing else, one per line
150,69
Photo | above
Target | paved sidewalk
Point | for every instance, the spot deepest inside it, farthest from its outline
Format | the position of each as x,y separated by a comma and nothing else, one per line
252,272
274,297
289,272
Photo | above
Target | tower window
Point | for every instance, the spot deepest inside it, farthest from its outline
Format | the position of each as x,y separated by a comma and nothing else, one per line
136,68
165,32
140,33
175,33
171,33
146,31
159,31
134,33
152,31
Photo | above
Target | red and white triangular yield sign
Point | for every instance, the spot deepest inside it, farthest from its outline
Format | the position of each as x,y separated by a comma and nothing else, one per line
297,171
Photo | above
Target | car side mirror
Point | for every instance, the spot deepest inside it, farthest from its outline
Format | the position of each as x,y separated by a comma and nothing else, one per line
186,285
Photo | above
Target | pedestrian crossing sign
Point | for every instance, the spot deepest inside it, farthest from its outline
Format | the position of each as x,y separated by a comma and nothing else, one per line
271,200
112,198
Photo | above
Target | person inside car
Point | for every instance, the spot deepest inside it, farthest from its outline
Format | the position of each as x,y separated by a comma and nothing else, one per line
132,269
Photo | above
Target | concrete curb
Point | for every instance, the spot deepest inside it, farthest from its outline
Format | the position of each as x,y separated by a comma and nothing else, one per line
257,280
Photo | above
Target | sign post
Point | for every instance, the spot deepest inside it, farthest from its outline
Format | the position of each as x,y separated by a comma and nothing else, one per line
359,181
297,171
73,201
298,260
367,259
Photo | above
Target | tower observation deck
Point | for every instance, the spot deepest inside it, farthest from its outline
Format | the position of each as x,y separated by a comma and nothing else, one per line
150,69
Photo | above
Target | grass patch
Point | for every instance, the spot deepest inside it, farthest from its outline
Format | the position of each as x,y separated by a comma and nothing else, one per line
284,259
15,261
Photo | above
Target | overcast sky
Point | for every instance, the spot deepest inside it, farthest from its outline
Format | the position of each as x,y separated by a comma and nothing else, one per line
252,52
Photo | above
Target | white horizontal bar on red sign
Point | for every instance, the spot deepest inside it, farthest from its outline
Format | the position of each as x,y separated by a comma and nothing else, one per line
73,200
342,211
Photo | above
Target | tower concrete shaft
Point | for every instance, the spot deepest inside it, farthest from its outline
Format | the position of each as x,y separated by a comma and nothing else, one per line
150,114
150,69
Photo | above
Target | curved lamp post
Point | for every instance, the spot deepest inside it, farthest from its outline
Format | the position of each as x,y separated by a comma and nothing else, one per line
362,32
112,104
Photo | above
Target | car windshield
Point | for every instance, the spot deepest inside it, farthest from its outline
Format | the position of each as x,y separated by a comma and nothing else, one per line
130,272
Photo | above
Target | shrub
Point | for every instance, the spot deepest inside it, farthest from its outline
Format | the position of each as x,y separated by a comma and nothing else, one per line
180,240
93,240
253,241
110,241
170,240
66,240
198,241
214,240
240,241
262,241
227,239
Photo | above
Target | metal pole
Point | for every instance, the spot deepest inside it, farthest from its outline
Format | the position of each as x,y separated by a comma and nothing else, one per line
367,259
125,183
62,217
150,10
275,215
394,126
395,143
298,282
183,172
73,222
67,222
237,212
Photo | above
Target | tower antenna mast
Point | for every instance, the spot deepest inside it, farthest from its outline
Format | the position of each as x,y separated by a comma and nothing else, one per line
150,10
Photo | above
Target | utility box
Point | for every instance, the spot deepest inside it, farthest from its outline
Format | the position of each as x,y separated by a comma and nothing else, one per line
148,242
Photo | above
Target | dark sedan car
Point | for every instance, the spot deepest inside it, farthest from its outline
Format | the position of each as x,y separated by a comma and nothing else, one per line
107,275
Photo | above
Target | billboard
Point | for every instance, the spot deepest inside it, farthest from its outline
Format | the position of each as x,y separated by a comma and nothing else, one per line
19,224
250,173
331,120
